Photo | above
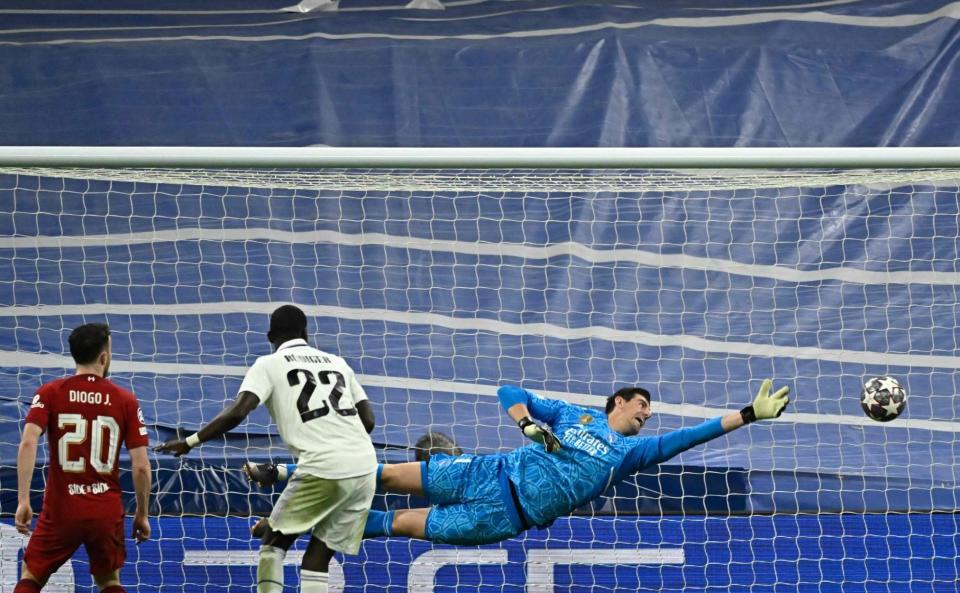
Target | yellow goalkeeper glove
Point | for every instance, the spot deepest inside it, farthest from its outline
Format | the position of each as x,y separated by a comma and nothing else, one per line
766,405
539,433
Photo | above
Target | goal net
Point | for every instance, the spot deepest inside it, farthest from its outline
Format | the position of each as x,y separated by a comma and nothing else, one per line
438,286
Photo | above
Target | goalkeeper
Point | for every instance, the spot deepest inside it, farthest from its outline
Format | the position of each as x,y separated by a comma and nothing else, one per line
577,454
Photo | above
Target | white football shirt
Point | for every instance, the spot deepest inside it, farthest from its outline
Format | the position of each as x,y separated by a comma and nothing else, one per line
312,396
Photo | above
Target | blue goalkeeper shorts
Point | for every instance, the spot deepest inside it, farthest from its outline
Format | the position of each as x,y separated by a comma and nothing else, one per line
472,500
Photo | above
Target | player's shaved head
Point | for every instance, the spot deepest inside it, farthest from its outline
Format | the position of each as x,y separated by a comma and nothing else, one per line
627,393
435,442
287,323
88,341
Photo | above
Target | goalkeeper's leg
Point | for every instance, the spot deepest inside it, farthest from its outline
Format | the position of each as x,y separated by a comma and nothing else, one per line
444,479
400,478
472,498
403,523
469,524
266,475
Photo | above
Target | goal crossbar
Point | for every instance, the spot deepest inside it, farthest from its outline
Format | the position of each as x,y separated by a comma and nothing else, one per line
486,157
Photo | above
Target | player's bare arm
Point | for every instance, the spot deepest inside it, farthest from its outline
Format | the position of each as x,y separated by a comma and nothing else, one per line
140,465
228,419
365,411
26,463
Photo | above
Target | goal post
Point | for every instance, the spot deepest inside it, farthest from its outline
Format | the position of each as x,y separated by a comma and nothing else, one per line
440,274
482,157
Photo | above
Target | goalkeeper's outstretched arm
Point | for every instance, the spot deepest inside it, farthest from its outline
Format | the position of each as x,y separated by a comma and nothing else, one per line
766,405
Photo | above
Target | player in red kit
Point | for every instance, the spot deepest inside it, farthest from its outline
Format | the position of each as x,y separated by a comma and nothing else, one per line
86,417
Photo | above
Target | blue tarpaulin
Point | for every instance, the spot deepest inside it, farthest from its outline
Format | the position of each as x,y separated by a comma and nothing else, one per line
481,73
436,298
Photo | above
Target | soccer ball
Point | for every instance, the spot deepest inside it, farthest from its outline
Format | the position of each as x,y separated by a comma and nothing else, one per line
883,398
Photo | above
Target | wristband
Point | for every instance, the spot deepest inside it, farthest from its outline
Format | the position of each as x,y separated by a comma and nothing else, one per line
193,440
748,414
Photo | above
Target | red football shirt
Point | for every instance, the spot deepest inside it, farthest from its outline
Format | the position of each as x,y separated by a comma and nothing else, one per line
86,418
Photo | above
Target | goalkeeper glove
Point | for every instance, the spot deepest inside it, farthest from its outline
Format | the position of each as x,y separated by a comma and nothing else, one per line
539,433
766,405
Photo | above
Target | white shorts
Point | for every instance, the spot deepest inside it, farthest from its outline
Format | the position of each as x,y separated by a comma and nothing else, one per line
334,511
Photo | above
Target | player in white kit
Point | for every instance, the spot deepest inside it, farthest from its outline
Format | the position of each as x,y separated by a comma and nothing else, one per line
323,416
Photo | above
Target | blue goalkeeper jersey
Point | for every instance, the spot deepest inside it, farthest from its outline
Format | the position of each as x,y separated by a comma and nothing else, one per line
594,456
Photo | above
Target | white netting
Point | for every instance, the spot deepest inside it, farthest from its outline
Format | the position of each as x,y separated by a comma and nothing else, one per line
439,285
508,180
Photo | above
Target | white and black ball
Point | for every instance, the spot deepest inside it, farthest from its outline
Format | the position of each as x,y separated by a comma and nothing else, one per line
883,398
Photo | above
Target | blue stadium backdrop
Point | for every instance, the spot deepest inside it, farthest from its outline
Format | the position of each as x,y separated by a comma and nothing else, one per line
438,296
481,73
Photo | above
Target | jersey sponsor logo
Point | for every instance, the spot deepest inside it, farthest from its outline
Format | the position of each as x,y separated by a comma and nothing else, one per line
579,438
36,402
81,489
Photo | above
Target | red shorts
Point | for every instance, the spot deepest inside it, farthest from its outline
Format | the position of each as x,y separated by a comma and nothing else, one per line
52,544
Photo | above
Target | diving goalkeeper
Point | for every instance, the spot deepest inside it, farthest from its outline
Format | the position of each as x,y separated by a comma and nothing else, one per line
577,454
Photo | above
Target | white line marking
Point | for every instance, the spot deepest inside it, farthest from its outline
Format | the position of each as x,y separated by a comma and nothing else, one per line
951,11
569,248
499,327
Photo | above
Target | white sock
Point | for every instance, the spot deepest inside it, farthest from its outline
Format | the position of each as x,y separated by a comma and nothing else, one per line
270,569
313,582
